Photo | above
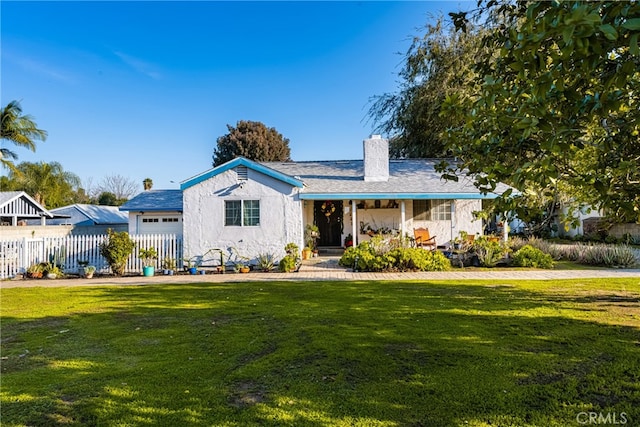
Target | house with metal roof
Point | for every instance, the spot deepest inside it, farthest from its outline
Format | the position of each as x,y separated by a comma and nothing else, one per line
257,207
90,219
155,212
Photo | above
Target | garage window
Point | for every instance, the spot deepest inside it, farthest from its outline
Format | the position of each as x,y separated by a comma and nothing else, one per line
242,213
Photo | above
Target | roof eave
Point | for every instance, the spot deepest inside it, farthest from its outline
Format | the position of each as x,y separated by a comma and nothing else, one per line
398,196
241,161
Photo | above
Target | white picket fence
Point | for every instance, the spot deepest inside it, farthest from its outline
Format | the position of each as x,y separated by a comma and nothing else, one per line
17,255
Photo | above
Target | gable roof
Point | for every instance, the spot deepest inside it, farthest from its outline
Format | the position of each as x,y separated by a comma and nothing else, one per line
408,179
94,214
20,205
263,168
155,200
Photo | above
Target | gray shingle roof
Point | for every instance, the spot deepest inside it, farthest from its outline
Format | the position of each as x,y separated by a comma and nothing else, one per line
155,200
408,178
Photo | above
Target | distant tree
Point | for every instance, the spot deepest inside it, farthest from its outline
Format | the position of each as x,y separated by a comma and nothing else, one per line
254,141
437,64
19,129
123,188
109,199
48,183
147,184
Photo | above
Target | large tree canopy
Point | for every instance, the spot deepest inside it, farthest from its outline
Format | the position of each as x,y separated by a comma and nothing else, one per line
48,183
254,141
20,129
557,104
438,64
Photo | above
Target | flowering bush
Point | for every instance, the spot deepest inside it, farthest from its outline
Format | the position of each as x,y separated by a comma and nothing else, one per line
377,256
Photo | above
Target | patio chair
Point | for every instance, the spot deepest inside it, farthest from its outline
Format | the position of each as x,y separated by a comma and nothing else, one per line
423,239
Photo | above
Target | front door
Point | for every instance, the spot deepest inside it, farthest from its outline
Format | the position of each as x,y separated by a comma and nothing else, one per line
327,215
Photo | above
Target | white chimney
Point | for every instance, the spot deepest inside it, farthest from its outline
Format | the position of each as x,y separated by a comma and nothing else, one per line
376,159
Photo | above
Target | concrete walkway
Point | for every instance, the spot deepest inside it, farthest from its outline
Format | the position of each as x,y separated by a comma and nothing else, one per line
327,268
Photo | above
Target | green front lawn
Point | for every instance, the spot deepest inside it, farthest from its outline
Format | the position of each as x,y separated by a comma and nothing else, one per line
472,353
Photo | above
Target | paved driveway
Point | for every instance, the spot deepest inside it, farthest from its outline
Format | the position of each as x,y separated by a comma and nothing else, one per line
328,269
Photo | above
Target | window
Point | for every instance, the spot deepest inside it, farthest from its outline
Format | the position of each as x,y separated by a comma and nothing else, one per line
242,212
440,210
251,213
420,210
149,219
169,219
432,210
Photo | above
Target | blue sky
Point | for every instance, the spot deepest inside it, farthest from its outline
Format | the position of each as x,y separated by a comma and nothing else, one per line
144,89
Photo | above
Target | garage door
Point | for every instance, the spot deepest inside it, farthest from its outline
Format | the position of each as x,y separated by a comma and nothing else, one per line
160,224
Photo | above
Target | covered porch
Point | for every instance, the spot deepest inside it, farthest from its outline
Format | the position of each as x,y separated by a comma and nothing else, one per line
357,217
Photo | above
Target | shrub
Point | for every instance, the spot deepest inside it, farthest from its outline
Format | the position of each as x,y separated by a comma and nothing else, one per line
515,243
287,264
291,259
489,252
528,256
598,254
116,249
266,261
372,256
608,255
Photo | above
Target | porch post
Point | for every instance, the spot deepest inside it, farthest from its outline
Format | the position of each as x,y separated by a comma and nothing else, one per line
354,220
403,216
505,228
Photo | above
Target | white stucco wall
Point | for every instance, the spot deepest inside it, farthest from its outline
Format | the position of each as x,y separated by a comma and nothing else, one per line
203,215
34,231
582,214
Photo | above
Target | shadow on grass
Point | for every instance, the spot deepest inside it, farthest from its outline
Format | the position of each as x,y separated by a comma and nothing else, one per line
317,354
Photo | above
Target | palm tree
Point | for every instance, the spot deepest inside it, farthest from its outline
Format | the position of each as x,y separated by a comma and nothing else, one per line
48,183
19,129
147,184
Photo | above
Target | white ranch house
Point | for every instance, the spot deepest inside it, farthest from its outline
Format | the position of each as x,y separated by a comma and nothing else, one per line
257,207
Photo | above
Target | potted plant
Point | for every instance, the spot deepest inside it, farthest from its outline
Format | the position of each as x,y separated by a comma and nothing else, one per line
82,264
306,252
88,271
168,266
311,236
36,271
52,271
348,241
148,256
291,261
190,264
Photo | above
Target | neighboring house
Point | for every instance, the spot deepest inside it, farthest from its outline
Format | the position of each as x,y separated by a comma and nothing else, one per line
91,219
17,207
155,212
257,207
